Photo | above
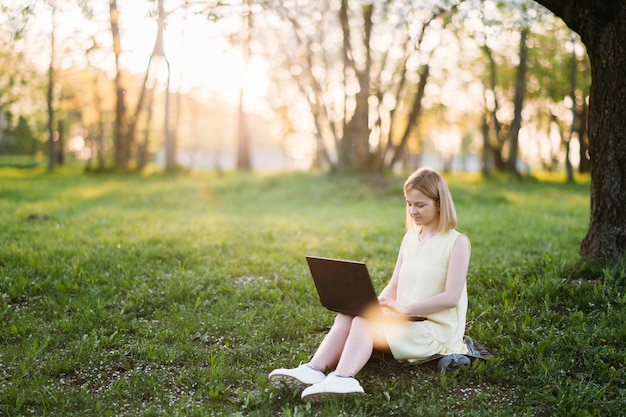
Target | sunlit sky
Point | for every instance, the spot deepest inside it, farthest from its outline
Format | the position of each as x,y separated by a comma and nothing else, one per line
200,57
196,47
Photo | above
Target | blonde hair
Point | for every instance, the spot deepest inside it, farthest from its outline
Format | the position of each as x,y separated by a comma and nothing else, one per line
432,184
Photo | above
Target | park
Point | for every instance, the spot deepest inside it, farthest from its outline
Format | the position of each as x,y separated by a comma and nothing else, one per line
176,296
156,208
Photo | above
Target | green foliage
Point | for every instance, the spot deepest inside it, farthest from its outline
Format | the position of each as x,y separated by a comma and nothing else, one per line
158,295
24,142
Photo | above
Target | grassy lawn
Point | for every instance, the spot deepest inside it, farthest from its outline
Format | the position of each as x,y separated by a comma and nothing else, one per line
176,296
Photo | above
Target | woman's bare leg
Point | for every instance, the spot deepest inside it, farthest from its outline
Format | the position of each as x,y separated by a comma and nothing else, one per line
357,350
328,353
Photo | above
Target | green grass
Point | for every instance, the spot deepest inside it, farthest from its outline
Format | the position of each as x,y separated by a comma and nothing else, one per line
171,296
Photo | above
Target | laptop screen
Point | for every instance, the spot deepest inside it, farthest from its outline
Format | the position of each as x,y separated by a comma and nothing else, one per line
343,286
346,287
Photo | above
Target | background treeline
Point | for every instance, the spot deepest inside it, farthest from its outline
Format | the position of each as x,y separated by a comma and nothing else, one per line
353,85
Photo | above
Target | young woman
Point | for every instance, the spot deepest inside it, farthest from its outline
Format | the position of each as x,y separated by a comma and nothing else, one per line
428,280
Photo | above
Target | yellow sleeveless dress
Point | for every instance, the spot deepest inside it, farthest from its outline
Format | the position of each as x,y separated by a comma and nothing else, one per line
422,275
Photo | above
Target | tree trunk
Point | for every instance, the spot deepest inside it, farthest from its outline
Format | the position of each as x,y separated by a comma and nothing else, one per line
347,141
170,142
49,98
606,236
569,169
97,131
60,148
485,160
416,111
244,161
495,128
142,147
359,126
518,101
119,126
602,30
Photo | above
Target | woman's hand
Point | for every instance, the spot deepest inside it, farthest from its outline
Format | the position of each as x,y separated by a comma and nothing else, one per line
392,304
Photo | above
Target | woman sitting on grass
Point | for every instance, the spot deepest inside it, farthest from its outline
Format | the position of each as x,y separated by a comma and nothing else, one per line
428,280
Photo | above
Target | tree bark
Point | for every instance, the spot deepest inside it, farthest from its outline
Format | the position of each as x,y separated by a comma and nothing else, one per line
518,101
98,127
359,124
485,160
601,27
495,128
59,155
346,145
569,169
142,147
244,159
119,126
416,111
50,96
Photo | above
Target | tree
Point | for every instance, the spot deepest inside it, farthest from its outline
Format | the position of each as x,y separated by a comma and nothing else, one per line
19,84
50,92
120,127
496,133
362,67
560,83
518,100
24,143
601,27
511,37
146,95
95,124
244,160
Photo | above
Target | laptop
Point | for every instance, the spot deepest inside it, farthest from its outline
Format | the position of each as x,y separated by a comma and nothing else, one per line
346,287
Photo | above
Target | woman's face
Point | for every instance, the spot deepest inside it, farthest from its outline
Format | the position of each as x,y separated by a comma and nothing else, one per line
423,210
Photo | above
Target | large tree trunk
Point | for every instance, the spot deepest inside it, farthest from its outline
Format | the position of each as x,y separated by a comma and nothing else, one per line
606,236
601,27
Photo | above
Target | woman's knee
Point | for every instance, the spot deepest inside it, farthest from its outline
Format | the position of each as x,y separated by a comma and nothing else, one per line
343,320
371,329
359,323
352,323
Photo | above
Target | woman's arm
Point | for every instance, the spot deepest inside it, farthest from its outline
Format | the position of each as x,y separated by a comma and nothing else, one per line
455,282
391,290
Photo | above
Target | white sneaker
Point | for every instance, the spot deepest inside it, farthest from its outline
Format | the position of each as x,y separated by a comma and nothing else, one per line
300,377
333,385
